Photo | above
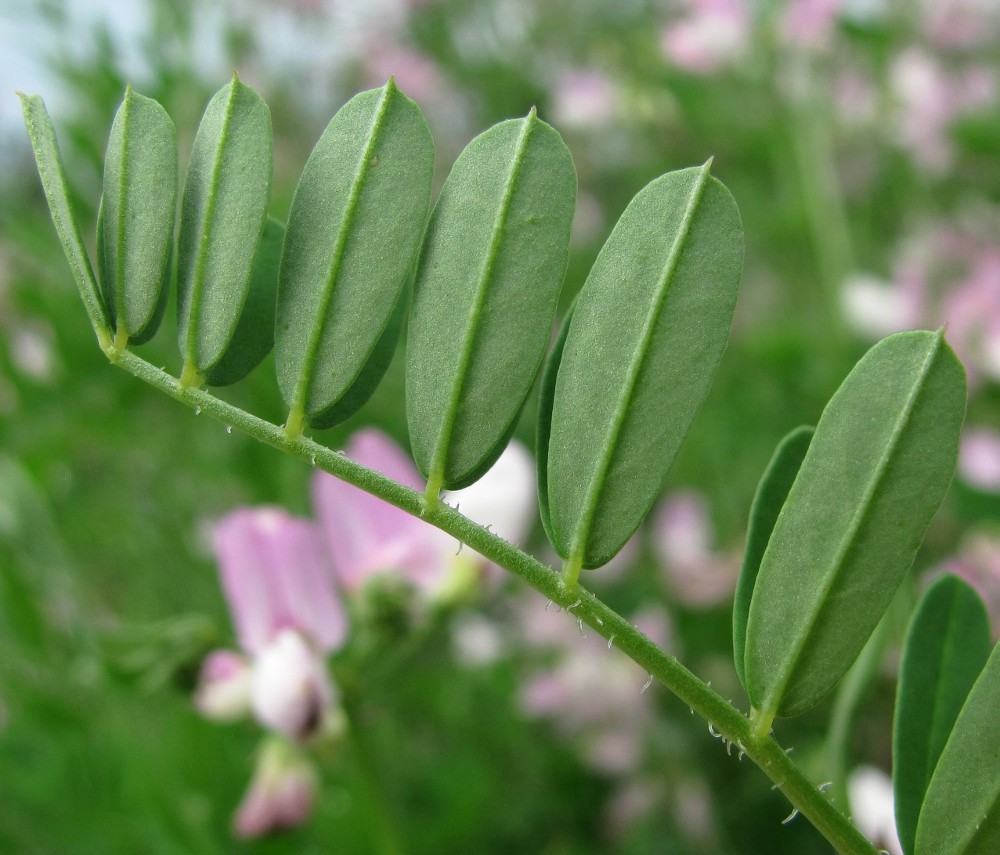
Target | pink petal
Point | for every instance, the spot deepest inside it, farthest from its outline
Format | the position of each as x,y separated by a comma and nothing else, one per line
274,575
979,459
223,692
281,795
367,536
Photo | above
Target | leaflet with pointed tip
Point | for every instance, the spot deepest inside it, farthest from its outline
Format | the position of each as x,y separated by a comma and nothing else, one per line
354,231
876,470
223,210
136,218
485,295
647,334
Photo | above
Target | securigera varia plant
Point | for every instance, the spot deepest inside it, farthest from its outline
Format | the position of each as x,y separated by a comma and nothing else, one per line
840,511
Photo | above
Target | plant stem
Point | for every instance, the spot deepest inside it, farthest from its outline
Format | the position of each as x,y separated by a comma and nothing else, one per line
729,723
383,827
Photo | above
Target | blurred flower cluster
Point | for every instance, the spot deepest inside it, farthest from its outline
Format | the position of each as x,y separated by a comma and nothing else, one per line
294,585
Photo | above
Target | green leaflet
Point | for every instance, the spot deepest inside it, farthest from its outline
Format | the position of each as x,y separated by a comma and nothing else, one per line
222,216
648,331
353,235
485,295
946,647
877,468
767,503
961,811
358,393
50,170
544,428
254,334
136,218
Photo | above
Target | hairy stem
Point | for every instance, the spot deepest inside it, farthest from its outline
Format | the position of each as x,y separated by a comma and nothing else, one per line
729,723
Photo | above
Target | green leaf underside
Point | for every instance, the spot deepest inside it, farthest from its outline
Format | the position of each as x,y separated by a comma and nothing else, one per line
223,210
878,467
50,170
353,235
961,811
648,331
485,295
767,503
136,218
254,334
946,648
367,381
544,427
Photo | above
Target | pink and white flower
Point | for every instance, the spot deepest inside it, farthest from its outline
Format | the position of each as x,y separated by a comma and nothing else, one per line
695,573
281,795
276,579
368,538
979,459
714,35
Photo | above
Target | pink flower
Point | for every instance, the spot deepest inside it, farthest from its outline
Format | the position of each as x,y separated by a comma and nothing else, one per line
714,35
281,794
415,73
592,695
583,99
972,312
960,24
930,98
275,575
276,579
978,563
809,24
979,459
224,686
368,538
291,691
944,274
682,539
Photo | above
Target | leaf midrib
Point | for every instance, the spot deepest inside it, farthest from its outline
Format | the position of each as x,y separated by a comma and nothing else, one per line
579,545
120,312
204,233
992,800
936,705
439,457
856,519
302,387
